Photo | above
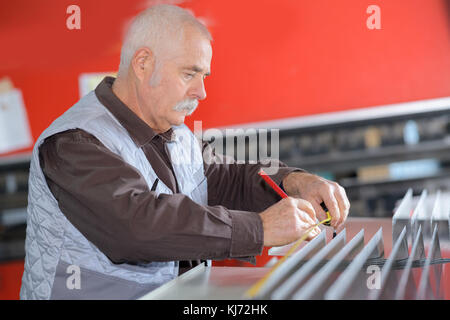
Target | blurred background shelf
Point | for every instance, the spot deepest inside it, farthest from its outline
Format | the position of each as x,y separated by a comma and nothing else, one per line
376,156
348,160
15,161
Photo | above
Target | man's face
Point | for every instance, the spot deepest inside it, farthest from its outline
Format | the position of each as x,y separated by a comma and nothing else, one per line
179,82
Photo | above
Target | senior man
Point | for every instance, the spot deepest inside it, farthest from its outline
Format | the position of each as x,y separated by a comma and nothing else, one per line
121,199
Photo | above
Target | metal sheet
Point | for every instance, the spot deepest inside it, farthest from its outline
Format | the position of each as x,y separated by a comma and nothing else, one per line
419,217
407,287
431,274
389,280
209,283
285,270
315,287
285,290
353,274
401,216
166,288
441,218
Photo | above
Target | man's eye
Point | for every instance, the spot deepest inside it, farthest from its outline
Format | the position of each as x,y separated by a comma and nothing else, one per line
188,75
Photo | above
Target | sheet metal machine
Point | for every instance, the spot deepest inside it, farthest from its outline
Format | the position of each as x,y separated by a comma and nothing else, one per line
416,242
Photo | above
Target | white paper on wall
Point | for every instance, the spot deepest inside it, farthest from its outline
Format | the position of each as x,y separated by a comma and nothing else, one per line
89,81
15,130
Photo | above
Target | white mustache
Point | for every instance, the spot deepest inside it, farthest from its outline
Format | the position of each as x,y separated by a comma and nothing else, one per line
189,104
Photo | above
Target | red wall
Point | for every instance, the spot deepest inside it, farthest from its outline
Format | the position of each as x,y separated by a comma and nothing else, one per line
10,279
272,59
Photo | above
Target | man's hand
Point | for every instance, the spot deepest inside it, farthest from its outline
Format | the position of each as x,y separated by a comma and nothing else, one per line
315,190
287,220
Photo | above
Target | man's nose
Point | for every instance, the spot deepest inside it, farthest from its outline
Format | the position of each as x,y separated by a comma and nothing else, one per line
198,91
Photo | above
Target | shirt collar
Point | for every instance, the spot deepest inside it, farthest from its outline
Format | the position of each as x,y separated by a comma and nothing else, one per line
139,131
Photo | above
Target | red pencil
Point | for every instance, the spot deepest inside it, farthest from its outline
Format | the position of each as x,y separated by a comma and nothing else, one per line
272,184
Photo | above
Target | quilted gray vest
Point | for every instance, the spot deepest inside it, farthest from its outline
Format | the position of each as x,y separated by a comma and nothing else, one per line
60,262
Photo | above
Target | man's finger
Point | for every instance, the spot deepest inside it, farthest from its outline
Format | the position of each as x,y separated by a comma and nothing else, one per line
307,207
343,203
306,218
332,205
320,214
314,233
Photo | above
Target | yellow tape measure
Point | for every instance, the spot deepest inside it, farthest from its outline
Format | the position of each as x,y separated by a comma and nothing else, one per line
254,290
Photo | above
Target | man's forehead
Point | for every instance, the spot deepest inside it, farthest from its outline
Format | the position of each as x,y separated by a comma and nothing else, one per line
187,62
196,63
194,54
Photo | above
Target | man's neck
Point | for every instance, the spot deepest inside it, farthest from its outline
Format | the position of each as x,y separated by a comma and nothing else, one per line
120,89
127,94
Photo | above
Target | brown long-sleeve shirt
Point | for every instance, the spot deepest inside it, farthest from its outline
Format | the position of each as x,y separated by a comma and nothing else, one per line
110,203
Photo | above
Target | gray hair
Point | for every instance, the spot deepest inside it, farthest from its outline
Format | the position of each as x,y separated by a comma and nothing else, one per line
158,28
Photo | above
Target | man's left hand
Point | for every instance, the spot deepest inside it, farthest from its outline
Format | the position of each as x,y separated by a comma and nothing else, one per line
316,189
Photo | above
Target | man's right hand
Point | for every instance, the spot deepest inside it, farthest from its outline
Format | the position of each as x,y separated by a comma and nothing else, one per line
287,220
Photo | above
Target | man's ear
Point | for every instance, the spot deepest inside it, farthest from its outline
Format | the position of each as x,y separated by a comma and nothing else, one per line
143,63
